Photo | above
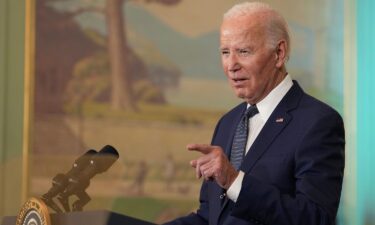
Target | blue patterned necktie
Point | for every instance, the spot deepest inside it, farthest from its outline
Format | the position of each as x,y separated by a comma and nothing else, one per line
240,137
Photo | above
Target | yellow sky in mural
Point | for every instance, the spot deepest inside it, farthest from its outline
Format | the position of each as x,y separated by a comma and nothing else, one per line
204,16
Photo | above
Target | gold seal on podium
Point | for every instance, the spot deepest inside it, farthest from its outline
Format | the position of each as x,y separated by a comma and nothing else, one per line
34,212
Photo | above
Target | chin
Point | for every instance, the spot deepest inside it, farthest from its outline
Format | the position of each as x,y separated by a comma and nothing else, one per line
240,94
243,96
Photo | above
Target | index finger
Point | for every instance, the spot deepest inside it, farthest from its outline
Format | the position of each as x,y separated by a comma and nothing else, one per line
202,148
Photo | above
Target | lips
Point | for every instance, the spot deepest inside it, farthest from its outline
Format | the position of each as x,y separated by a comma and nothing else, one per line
239,79
239,82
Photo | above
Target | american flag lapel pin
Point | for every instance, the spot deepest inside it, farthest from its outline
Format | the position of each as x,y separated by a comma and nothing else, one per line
279,120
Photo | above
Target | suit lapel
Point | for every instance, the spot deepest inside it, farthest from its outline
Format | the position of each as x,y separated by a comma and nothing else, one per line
275,124
278,120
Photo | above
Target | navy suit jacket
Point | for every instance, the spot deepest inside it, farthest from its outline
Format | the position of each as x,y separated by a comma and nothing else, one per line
293,170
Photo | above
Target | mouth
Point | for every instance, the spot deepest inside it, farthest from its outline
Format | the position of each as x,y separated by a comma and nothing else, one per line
239,80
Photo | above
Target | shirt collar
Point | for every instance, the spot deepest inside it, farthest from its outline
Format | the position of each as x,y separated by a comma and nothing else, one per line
269,103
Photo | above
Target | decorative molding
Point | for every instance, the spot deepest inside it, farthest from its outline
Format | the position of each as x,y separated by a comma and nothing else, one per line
29,71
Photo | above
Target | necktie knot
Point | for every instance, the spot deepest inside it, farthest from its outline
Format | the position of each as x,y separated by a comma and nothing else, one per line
251,111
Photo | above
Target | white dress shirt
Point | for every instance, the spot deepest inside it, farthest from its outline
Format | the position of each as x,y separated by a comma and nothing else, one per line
256,123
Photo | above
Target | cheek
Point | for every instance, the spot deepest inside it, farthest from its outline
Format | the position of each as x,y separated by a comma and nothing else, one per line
224,65
255,71
225,70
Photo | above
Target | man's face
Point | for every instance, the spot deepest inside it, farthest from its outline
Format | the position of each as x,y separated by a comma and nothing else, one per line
248,62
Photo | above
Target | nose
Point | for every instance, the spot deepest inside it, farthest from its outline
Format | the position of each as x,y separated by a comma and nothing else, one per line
232,63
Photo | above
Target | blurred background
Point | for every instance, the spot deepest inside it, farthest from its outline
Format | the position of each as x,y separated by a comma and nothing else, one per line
145,77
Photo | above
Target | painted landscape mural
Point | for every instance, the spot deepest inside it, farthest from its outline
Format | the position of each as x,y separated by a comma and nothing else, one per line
145,77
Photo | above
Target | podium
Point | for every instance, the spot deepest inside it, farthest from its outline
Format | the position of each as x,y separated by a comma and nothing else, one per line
101,217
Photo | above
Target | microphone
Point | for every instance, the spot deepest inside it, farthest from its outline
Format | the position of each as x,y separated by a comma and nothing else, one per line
99,163
60,181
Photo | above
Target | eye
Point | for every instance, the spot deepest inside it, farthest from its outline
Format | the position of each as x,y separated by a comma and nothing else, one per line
224,52
243,52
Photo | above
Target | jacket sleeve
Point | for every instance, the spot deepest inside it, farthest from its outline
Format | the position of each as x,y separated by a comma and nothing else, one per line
318,174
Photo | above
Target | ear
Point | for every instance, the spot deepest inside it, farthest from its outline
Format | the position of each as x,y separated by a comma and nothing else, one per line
281,53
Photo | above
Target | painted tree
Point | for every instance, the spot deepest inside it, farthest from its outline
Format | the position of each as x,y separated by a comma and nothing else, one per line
122,95
121,91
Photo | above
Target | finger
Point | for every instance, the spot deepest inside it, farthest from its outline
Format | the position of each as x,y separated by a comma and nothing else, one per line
203,148
193,163
207,170
199,163
198,173
209,176
205,173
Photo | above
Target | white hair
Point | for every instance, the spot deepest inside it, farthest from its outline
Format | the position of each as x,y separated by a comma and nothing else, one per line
276,26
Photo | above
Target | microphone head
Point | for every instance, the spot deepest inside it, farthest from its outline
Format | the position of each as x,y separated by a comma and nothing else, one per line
111,151
104,158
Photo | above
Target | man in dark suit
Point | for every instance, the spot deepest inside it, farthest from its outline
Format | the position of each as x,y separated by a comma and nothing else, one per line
291,169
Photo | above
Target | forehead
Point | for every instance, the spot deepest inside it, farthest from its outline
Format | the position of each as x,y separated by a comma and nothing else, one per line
242,29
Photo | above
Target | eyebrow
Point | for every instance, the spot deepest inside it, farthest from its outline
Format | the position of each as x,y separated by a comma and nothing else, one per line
238,48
